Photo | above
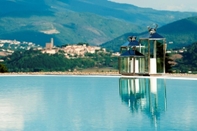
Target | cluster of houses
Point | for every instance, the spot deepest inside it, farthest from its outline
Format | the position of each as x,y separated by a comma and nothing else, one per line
177,51
7,47
71,50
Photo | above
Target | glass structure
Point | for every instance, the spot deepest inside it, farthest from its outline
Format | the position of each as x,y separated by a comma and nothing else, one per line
131,60
154,52
146,57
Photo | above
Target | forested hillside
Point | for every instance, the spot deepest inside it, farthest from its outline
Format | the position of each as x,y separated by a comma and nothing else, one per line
188,61
73,21
182,33
34,61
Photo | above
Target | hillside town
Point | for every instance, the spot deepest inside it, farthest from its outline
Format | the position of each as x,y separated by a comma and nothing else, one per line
7,47
71,50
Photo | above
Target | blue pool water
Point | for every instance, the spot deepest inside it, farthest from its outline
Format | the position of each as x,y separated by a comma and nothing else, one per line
94,103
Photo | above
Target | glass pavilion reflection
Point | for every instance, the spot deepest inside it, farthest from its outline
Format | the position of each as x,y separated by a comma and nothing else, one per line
144,94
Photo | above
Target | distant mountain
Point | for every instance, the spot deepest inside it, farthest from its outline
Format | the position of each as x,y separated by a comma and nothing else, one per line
73,21
8,7
181,33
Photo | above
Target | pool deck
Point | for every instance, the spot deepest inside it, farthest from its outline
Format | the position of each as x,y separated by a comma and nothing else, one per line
62,73
96,73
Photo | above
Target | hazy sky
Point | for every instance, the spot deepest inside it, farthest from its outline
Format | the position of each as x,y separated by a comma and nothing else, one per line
173,5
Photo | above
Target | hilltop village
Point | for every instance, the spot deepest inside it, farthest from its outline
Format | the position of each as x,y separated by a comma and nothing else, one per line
7,47
18,56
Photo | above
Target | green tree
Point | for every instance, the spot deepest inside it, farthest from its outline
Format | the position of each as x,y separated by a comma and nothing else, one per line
3,68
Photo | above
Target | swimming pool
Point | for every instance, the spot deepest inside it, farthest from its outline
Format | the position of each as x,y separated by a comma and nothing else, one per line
99,103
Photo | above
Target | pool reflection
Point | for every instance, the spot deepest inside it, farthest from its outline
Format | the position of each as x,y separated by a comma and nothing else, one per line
147,95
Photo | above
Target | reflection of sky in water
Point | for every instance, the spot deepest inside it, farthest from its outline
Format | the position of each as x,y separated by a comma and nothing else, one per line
73,103
17,105
183,110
